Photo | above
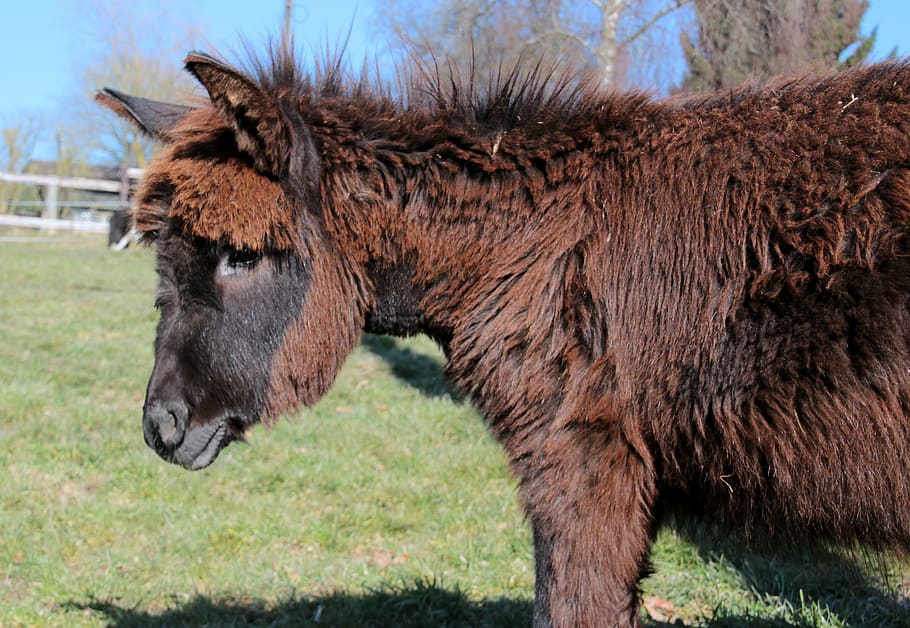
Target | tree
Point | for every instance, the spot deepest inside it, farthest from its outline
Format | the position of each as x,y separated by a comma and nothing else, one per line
592,35
16,150
135,52
738,40
19,141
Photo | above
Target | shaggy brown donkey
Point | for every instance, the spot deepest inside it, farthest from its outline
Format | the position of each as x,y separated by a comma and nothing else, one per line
690,308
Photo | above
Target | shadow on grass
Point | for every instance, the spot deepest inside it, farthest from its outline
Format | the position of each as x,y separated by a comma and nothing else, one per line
811,586
418,370
416,605
823,589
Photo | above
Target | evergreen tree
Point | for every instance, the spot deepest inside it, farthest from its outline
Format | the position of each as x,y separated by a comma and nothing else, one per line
740,40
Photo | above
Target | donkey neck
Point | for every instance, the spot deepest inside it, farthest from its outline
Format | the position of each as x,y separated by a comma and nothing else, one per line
436,241
445,209
487,264
481,240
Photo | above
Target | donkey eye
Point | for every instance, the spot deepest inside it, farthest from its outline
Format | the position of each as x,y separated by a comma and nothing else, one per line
239,259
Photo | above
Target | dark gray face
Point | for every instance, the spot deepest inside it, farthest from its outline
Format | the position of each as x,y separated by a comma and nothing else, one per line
224,313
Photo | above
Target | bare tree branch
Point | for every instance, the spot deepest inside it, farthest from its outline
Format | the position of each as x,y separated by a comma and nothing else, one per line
141,55
677,4
582,33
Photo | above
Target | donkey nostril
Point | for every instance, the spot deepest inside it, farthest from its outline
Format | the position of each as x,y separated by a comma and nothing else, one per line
167,429
164,424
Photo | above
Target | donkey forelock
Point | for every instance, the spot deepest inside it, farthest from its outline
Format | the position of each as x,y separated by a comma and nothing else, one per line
205,184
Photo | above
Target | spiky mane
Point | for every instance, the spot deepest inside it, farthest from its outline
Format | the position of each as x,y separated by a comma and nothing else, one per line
512,120
528,92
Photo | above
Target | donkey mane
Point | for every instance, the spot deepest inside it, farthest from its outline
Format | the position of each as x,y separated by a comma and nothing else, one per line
518,119
524,121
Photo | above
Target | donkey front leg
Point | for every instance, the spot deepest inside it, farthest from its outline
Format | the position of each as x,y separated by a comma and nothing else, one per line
589,498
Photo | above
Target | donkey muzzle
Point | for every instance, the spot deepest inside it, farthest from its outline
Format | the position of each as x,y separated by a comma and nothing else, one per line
167,431
164,426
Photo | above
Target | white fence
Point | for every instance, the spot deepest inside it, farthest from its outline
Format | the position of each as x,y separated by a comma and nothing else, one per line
53,224
50,206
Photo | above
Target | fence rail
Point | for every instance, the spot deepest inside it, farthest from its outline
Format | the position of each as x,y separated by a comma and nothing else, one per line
50,206
53,224
76,183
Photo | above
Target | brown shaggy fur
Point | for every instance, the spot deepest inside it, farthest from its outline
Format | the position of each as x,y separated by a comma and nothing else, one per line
232,204
698,307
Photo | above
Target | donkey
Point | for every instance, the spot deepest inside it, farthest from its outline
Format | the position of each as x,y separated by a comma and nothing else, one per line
695,309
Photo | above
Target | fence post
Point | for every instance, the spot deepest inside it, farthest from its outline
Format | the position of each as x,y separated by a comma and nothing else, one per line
124,188
50,203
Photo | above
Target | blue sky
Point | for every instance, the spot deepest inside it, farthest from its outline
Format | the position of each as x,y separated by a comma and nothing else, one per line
43,39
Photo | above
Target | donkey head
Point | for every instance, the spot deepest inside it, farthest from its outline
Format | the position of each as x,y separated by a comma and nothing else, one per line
257,312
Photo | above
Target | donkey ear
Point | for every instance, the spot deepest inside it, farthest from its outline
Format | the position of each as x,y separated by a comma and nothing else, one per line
151,116
262,129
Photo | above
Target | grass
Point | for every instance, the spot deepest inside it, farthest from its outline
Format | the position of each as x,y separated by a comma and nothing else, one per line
387,504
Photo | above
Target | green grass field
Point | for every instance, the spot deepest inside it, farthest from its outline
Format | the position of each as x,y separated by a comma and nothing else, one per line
386,505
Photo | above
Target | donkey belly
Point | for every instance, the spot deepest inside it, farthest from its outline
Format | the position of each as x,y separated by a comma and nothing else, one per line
800,425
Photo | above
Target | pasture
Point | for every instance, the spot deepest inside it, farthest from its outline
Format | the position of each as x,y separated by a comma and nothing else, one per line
386,504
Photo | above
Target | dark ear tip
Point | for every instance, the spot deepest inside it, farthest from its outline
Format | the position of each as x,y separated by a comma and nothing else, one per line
195,57
152,117
105,93
112,99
